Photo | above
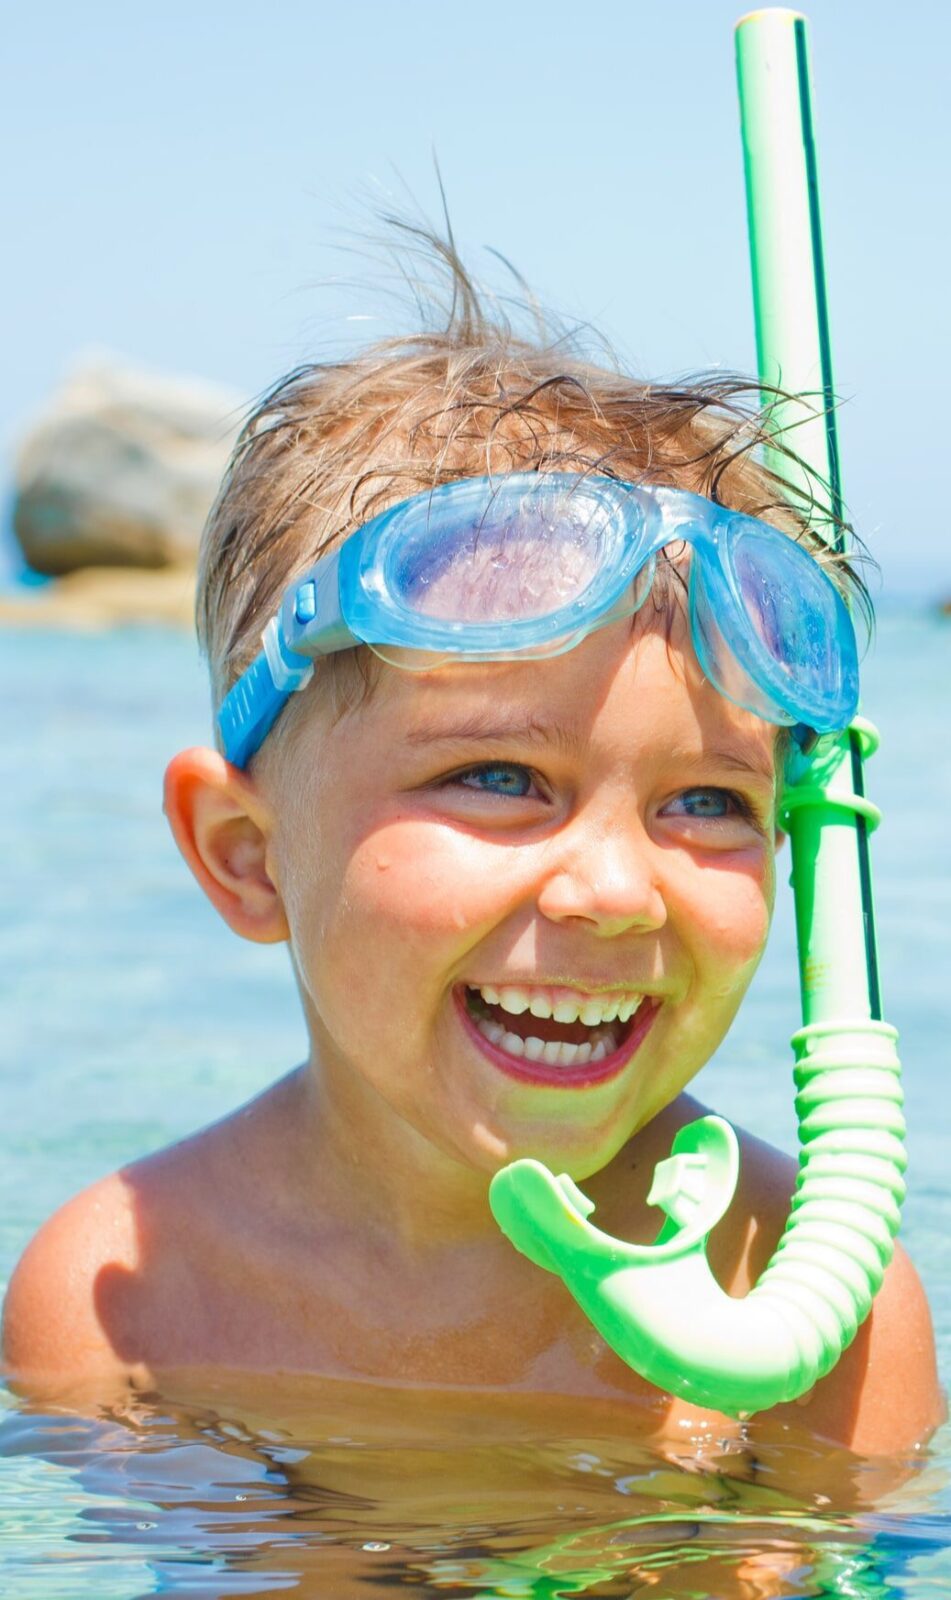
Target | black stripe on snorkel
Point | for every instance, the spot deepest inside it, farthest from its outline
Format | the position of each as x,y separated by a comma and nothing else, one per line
835,490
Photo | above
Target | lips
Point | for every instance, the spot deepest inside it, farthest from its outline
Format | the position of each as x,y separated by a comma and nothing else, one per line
574,1067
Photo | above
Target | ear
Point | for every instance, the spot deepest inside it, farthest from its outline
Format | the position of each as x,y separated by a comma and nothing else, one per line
222,827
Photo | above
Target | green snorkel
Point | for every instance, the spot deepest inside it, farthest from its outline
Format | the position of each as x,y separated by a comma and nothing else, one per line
659,1306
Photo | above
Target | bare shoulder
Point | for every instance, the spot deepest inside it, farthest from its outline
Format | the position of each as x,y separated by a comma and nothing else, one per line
53,1329
113,1278
163,1264
883,1397
97,1274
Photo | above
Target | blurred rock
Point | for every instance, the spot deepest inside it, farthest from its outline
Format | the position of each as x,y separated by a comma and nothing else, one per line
121,470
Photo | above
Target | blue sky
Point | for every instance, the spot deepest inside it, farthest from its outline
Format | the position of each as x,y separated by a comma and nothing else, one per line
179,177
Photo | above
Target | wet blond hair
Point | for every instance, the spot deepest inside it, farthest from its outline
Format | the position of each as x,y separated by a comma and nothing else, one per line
335,442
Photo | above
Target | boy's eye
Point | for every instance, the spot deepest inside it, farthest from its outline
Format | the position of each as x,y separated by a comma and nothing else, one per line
497,777
707,803
710,805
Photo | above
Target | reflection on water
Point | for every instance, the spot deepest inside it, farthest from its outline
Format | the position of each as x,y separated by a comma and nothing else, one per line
349,1490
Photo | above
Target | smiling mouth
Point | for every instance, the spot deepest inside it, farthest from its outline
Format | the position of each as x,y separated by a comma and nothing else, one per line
557,1035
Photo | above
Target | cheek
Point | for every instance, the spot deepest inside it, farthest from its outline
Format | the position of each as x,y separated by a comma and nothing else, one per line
404,903
732,914
423,882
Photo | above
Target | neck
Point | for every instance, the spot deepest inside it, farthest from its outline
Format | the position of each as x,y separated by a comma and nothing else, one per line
377,1175
372,1175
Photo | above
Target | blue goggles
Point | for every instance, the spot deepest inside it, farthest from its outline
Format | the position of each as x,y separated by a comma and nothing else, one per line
524,567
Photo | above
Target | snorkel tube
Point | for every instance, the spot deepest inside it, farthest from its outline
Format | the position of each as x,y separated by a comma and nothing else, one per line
659,1306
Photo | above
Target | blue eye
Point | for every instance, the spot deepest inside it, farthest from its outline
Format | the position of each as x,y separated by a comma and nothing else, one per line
498,777
709,804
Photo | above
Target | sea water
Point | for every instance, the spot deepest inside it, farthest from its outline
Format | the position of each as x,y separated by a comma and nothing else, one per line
129,1015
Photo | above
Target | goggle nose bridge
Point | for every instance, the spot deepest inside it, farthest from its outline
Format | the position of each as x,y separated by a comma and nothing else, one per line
691,530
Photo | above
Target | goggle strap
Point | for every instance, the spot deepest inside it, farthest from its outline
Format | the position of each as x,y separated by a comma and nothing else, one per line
256,700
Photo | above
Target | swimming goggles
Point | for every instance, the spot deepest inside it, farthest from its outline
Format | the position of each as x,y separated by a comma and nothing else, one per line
525,566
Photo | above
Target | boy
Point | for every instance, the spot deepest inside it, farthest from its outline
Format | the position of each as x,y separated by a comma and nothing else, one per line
524,893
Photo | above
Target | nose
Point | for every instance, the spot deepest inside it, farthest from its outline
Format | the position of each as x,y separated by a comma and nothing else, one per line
606,876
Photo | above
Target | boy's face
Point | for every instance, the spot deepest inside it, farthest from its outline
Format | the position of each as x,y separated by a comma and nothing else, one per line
600,824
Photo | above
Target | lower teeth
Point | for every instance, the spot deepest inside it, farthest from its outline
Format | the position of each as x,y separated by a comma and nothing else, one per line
554,1052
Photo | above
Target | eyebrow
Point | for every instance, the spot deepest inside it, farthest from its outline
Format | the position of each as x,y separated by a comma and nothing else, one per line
486,727
733,761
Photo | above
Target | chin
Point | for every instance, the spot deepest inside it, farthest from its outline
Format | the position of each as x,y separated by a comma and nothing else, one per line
568,1150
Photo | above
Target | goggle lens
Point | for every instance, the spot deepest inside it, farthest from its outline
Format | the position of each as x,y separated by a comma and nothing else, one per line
791,607
518,560
790,656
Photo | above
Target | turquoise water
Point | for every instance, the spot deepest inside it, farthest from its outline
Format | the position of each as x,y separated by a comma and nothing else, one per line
130,1015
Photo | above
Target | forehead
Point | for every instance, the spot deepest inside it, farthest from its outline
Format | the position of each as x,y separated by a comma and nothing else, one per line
635,684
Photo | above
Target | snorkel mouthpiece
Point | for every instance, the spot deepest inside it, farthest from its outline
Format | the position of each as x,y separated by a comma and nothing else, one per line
659,1306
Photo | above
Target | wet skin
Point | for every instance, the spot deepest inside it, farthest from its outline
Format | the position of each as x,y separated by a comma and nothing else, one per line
603,821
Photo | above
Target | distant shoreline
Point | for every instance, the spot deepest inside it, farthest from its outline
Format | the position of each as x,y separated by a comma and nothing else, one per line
103,597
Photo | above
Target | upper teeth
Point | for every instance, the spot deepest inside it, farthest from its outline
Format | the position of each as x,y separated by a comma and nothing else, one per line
563,1005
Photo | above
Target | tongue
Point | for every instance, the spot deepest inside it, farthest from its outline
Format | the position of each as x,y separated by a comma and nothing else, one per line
528,1027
